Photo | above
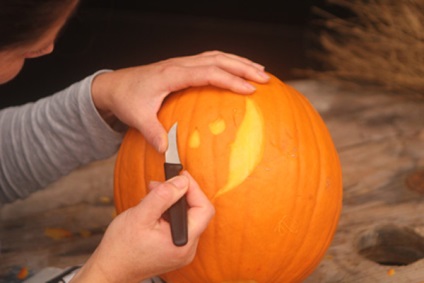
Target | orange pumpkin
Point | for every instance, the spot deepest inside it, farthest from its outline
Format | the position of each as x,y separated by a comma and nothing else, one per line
267,163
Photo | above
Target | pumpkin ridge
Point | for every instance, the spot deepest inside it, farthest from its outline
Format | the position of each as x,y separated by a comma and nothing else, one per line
317,128
290,100
298,120
287,105
311,125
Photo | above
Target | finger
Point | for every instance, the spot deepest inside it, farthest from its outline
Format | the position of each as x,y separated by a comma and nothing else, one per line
234,64
236,57
162,196
155,134
201,210
184,77
256,65
211,54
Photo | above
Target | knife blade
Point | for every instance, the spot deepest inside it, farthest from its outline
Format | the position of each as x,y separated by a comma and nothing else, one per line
177,213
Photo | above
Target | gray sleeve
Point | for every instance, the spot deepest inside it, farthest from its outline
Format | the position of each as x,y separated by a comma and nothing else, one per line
43,141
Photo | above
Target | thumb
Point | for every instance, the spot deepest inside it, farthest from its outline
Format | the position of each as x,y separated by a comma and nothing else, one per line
163,195
155,134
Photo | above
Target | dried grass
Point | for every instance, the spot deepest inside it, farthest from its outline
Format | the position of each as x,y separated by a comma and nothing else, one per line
382,43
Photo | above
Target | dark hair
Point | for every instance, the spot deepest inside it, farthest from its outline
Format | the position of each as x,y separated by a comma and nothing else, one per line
25,21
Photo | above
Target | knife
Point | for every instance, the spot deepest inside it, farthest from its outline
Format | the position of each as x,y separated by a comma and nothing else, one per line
177,213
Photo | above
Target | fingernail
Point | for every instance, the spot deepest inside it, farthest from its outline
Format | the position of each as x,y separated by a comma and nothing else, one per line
263,75
181,182
259,66
160,144
249,87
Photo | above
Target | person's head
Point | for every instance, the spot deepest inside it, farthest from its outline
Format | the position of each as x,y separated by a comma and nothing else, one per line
28,29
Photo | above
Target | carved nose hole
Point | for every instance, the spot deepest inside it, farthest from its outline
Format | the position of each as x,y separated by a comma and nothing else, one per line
391,245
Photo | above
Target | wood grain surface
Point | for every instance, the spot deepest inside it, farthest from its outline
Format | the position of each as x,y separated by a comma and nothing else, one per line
380,238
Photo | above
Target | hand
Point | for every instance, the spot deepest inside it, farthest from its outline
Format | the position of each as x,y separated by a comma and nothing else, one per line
134,95
138,243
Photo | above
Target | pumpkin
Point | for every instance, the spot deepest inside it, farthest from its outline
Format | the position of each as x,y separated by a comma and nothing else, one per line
267,163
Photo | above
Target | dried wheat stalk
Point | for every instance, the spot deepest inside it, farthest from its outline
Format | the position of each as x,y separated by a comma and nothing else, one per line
383,43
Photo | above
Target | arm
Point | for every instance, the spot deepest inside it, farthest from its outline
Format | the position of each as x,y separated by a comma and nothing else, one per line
45,140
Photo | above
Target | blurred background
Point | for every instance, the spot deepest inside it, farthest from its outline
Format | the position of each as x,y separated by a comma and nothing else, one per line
114,34
364,43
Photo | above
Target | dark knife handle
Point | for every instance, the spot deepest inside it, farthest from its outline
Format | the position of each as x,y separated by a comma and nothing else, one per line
177,213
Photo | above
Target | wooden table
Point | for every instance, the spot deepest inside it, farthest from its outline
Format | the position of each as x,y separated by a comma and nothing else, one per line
380,238
380,140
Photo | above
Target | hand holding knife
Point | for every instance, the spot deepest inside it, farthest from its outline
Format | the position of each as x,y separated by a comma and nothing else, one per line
177,213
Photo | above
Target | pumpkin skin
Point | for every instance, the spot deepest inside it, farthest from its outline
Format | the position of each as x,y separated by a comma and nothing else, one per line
267,163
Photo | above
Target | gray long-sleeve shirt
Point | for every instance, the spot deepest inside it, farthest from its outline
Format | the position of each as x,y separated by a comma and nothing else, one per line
43,141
